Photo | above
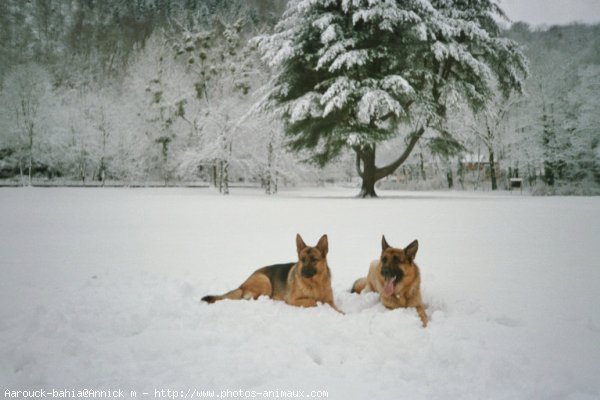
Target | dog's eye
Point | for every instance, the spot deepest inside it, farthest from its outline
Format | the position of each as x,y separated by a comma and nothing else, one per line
384,259
395,260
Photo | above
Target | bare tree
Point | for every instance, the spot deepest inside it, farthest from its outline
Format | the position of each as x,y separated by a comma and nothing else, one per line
28,84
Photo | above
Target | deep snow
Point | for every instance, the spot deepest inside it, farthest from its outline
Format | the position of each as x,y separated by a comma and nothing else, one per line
100,288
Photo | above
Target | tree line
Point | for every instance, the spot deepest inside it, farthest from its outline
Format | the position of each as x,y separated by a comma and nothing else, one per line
175,91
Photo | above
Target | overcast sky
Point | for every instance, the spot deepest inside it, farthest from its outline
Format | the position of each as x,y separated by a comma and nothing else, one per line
552,12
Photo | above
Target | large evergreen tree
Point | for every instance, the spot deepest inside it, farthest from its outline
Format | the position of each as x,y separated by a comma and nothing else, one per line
354,73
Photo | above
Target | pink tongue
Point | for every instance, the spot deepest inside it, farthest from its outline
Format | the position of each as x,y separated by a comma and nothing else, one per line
388,289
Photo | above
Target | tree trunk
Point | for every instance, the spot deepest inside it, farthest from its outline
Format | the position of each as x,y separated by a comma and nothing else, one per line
269,178
493,171
370,174
165,160
82,169
21,172
225,177
367,174
101,171
213,174
461,173
449,175
220,178
30,166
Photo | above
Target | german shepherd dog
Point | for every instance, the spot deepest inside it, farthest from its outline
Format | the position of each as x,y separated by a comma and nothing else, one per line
302,283
396,278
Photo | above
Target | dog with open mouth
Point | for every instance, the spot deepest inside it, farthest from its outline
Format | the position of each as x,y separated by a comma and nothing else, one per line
396,278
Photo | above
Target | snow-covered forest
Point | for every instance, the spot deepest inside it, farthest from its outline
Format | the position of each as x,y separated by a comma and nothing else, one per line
171,92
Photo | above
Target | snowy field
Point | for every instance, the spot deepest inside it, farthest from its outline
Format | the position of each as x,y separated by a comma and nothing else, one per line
100,289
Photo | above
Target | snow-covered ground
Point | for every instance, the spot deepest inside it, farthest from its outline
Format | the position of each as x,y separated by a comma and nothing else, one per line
100,289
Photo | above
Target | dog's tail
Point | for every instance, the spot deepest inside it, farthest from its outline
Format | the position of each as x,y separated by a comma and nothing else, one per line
359,285
235,294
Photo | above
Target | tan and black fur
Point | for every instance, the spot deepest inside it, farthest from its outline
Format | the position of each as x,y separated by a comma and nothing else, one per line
303,283
396,278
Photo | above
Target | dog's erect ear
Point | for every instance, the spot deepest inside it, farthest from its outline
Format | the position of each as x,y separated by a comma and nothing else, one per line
299,243
411,249
323,245
384,244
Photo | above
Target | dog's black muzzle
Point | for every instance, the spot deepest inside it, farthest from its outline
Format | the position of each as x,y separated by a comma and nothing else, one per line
308,272
390,272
